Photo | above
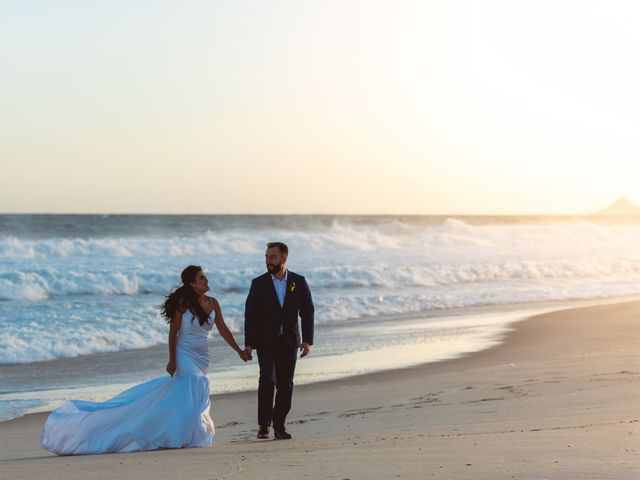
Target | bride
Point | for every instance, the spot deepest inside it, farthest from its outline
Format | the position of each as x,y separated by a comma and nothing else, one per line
166,412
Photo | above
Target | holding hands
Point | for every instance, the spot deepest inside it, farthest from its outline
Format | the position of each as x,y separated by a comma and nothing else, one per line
245,354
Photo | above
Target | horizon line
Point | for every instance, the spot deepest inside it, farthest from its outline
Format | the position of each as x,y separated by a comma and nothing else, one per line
594,214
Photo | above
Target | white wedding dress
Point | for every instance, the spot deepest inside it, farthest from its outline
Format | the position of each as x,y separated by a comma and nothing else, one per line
166,412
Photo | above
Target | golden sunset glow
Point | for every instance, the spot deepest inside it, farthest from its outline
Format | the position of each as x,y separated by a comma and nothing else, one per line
355,107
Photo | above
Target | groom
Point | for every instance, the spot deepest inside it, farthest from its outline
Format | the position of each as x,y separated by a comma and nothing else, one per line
275,300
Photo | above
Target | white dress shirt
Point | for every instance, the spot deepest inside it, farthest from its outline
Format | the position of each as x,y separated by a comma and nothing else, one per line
280,286
281,290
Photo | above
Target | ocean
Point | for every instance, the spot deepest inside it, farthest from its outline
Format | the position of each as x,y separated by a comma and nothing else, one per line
79,293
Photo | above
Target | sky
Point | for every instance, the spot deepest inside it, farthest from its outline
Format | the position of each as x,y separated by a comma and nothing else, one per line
347,107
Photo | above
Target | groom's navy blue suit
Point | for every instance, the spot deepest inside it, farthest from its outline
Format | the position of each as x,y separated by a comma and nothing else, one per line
274,332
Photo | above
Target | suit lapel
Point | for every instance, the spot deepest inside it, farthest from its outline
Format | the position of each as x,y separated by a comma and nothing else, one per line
287,292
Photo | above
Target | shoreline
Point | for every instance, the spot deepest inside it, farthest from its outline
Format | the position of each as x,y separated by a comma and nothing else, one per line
556,399
501,339
445,365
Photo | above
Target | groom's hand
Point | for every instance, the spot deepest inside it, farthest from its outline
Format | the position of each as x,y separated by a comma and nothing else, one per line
305,348
248,350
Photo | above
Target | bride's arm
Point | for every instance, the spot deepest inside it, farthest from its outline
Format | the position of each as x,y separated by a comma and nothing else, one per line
225,332
174,326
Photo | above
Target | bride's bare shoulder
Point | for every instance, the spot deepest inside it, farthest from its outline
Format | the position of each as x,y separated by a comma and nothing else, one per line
214,303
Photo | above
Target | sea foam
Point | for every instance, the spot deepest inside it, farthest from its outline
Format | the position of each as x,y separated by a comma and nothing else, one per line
67,296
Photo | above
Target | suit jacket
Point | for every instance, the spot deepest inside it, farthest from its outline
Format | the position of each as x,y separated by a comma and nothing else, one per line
263,314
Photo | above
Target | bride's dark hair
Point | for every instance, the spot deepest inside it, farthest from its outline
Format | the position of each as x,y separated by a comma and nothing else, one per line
184,296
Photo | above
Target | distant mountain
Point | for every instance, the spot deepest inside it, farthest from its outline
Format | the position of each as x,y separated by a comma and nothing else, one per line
621,207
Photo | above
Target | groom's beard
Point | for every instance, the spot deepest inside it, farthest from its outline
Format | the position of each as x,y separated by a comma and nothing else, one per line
274,269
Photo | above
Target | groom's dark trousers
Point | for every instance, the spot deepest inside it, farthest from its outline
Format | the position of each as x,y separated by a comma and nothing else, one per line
274,332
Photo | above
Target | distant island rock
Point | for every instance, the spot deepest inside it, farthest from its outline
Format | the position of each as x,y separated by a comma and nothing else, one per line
621,207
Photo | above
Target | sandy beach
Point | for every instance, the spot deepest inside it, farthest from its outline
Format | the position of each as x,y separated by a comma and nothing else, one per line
558,399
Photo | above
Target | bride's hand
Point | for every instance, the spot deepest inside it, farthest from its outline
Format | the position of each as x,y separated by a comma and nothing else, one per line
171,367
244,355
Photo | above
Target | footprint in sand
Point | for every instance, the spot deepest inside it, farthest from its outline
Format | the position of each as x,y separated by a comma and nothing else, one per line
485,400
300,421
514,391
230,424
362,411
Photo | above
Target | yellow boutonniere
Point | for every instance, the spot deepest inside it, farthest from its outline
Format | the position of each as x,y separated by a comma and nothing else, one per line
292,287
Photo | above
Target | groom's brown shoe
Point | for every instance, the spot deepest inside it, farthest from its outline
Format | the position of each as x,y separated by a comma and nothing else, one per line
281,434
264,432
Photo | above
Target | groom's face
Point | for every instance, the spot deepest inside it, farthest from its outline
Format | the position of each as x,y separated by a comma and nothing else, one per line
275,260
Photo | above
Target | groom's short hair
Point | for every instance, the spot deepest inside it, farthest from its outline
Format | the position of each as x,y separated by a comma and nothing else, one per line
280,246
